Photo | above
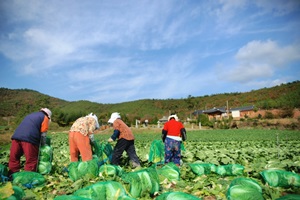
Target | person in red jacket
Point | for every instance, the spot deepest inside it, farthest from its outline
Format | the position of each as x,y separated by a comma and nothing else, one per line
81,135
125,141
173,134
26,140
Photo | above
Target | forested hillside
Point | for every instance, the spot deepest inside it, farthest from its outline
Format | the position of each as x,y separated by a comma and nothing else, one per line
19,102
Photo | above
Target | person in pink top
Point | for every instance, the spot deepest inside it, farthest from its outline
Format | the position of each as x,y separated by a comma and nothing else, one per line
173,134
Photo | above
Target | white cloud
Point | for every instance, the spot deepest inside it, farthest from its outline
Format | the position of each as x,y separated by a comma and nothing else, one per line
267,52
266,83
224,13
259,59
51,43
246,73
228,7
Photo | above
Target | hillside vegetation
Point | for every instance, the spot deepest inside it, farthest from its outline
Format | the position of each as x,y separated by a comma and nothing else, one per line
17,103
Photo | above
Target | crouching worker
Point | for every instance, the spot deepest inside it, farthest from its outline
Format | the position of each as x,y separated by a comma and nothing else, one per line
125,141
27,139
81,135
173,134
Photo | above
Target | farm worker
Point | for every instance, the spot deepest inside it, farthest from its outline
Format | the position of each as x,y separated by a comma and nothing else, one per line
26,140
125,141
173,133
81,135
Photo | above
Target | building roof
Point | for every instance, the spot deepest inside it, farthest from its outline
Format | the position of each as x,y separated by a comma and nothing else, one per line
214,110
242,108
198,112
163,119
222,110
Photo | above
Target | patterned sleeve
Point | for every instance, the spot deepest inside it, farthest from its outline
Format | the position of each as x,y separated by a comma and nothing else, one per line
92,125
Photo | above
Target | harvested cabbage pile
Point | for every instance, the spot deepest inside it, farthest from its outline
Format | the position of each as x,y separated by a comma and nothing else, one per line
176,196
11,192
143,182
157,152
202,168
28,179
170,171
45,159
103,151
244,189
280,178
110,172
83,169
230,170
3,173
103,190
70,197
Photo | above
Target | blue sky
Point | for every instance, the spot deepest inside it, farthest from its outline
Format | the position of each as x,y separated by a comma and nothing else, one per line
119,51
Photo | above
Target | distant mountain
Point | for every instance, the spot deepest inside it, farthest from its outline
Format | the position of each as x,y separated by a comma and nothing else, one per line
18,102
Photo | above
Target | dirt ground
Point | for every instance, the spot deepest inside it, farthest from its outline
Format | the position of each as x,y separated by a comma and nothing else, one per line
275,112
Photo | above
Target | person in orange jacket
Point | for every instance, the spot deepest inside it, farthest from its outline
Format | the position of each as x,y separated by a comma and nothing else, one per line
125,141
173,134
81,135
27,139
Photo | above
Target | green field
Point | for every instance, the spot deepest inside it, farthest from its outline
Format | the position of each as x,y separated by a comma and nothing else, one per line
256,150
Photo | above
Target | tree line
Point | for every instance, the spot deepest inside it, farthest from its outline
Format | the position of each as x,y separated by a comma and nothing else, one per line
20,102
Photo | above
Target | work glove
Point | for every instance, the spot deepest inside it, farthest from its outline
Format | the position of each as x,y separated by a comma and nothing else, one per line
110,140
183,134
93,144
92,139
43,138
164,135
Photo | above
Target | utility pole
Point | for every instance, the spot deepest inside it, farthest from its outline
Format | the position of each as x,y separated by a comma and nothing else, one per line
227,108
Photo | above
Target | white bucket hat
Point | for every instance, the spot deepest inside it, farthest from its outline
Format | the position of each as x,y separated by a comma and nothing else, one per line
96,119
47,111
114,116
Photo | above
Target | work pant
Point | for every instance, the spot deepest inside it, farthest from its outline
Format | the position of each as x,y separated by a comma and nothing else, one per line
80,145
172,151
19,148
128,146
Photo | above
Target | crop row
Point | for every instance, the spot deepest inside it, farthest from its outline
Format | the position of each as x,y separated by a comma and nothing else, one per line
257,152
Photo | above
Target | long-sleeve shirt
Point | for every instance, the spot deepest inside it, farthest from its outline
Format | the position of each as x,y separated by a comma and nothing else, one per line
121,130
31,128
85,125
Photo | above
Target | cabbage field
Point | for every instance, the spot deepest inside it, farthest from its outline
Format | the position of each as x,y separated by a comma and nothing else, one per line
216,164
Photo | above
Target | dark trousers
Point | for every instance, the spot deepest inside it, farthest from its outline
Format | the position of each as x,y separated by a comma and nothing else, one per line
18,149
121,146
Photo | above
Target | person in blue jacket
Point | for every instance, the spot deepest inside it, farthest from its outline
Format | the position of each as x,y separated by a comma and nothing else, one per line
26,140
